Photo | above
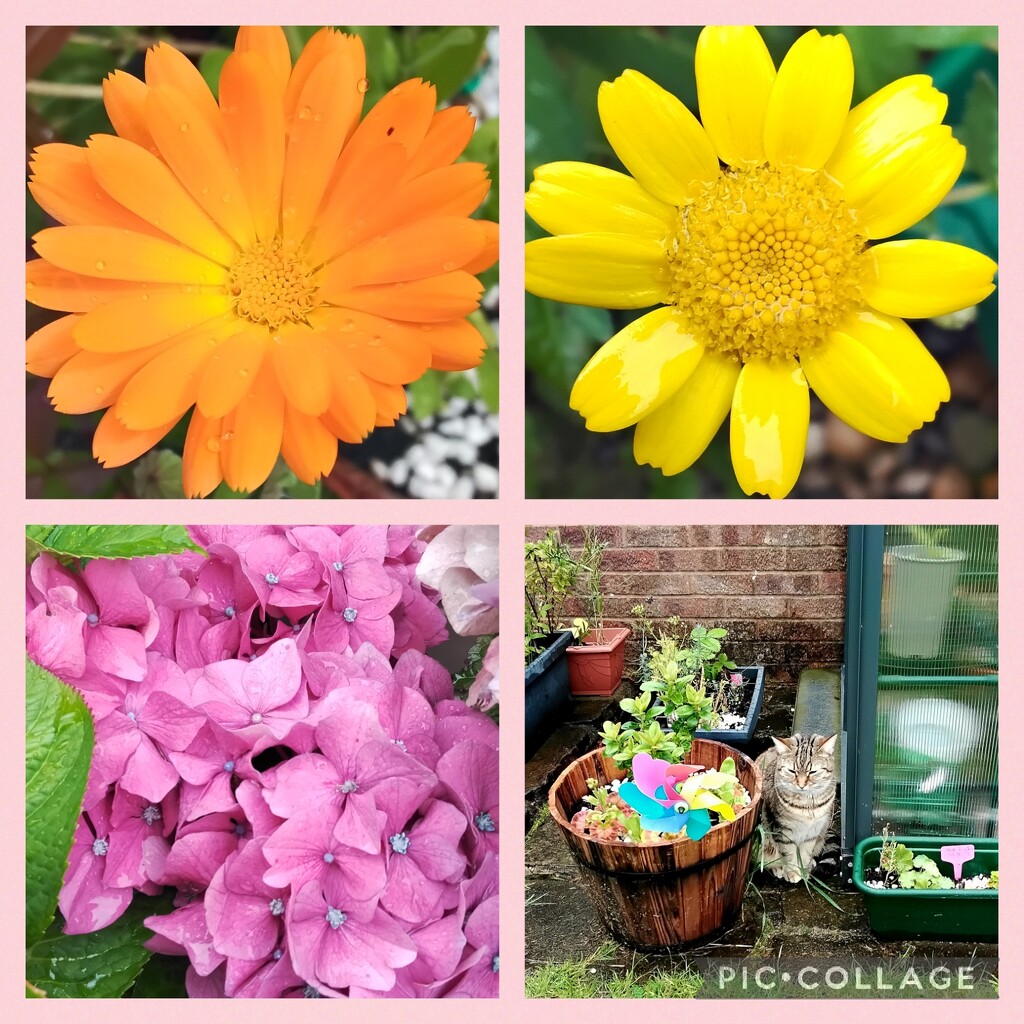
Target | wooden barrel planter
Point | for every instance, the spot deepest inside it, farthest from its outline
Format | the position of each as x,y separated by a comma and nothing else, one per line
670,894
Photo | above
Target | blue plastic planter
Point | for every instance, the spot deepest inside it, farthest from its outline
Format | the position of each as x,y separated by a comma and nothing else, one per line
744,735
547,692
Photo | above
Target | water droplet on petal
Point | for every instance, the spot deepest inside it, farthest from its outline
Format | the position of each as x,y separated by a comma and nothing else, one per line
183,127
226,198
318,117
228,436
363,85
100,265
243,372
305,114
213,445
375,341
99,391
449,265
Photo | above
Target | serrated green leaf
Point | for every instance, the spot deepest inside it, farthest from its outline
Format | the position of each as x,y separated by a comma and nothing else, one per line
109,541
447,57
211,64
101,964
163,977
58,751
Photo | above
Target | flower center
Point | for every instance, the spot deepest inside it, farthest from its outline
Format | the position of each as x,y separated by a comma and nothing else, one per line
311,993
100,847
485,822
229,612
151,814
271,284
276,906
336,918
338,566
495,965
399,842
765,262
350,614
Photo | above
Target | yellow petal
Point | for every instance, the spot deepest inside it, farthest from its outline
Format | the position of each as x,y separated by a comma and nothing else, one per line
906,182
675,435
898,348
636,371
569,198
920,277
771,411
612,271
735,73
882,121
144,184
658,140
809,102
859,388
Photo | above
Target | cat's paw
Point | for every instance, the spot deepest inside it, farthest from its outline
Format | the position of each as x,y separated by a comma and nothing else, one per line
787,874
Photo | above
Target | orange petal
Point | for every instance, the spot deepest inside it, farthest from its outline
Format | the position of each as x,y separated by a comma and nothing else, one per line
423,248
230,373
321,45
456,345
402,115
387,351
254,128
145,185
168,67
352,410
93,380
252,434
168,384
430,299
125,256
358,201
49,348
200,470
448,135
124,96
64,186
391,402
309,448
270,42
455,191
328,109
114,444
198,156
302,369
488,255
52,288
139,322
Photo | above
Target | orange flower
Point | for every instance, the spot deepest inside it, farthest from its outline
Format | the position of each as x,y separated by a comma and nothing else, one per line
271,259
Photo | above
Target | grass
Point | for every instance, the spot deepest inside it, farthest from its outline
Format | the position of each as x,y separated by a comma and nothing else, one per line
595,977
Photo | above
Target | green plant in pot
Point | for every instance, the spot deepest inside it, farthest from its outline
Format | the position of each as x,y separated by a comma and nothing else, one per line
551,574
598,656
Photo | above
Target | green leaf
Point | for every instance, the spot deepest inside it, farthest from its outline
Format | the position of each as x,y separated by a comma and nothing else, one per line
109,541
163,977
448,56
58,750
426,395
980,129
553,130
210,66
101,964
158,475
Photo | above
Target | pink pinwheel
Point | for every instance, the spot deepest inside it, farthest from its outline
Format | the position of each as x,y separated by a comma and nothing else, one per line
338,940
245,915
152,718
87,900
659,779
261,699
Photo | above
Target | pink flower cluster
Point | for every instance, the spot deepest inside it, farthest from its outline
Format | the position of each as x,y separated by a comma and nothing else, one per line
273,743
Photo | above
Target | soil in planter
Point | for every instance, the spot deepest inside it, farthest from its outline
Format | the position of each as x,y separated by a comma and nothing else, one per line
879,879
738,698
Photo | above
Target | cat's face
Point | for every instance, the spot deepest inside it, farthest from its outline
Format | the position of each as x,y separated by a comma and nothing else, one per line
805,762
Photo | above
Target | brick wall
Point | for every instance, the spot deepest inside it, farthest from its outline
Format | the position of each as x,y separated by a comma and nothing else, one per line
778,590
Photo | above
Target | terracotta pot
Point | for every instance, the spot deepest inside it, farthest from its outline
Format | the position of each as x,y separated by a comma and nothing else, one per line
670,894
595,666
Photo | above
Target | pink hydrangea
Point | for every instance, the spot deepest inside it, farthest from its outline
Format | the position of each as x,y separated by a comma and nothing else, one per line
274,743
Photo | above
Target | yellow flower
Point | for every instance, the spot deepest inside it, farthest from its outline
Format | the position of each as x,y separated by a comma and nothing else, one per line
765,268
273,258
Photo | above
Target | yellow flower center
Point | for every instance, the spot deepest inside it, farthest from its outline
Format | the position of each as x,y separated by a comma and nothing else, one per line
271,283
766,261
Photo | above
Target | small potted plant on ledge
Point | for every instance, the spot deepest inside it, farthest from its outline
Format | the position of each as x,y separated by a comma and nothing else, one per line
598,657
551,574
660,824
731,694
926,886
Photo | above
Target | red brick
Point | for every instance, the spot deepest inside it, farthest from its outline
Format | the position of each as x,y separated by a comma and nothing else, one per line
825,558
618,559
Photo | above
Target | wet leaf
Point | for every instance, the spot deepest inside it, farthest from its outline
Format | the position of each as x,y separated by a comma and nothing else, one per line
109,541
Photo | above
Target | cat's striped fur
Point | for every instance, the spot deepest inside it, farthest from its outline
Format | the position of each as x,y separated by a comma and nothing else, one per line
799,792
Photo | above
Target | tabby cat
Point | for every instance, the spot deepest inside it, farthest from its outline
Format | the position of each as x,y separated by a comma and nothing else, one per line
797,801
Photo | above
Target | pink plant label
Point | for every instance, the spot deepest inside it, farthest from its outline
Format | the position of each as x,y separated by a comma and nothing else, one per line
958,856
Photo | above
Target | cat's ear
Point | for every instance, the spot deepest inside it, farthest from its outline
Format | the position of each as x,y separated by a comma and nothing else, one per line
826,746
783,746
